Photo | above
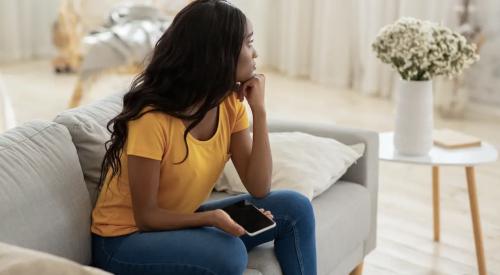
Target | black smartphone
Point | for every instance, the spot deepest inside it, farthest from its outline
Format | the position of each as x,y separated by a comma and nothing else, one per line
249,217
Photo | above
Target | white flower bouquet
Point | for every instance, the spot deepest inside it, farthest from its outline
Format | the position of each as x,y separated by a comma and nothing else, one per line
420,50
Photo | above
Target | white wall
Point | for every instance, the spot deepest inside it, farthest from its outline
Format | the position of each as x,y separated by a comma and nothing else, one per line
258,13
483,80
25,28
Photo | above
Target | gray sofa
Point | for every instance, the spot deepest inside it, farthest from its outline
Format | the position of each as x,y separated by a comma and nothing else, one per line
49,171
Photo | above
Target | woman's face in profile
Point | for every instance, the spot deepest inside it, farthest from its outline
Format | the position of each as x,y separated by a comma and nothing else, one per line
246,63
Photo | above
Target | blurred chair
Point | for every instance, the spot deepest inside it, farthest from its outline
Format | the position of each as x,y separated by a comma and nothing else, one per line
66,36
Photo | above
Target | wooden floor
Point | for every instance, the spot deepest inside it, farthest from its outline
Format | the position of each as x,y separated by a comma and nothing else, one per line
405,241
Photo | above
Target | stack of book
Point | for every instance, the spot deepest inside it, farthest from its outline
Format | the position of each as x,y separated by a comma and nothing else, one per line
450,139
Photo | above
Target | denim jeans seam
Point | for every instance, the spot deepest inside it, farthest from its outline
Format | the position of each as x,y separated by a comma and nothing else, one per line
108,256
112,259
162,264
296,234
292,222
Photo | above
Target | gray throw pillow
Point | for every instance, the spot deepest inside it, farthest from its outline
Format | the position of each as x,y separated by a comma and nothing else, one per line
87,126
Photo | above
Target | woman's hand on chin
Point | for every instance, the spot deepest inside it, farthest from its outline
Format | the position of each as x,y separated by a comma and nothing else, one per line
253,90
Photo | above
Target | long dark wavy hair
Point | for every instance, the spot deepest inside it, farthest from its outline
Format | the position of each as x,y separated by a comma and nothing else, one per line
193,64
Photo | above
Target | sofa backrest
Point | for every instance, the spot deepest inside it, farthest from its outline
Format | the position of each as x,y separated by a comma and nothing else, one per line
44,204
87,126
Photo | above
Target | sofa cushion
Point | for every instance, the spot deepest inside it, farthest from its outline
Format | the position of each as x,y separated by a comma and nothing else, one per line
87,126
18,260
342,219
44,202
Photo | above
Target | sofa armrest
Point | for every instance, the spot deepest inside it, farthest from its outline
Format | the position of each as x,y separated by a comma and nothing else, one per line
364,171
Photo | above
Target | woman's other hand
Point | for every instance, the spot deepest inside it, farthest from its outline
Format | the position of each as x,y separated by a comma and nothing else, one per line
223,221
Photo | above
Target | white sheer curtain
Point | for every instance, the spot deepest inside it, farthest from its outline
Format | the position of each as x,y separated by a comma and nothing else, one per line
483,80
25,28
329,41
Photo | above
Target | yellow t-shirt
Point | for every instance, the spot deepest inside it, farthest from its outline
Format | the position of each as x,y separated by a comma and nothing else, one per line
183,187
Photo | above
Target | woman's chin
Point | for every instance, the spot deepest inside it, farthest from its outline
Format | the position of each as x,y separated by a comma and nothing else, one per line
247,77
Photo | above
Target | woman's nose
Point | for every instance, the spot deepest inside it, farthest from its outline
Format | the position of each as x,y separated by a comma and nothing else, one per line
255,54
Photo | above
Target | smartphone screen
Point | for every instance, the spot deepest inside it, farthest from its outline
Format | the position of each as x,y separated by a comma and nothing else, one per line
249,217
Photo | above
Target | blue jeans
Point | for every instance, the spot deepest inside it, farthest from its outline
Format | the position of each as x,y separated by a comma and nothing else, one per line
208,250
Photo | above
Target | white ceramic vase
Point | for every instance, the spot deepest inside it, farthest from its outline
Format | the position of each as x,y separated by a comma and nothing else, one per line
414,118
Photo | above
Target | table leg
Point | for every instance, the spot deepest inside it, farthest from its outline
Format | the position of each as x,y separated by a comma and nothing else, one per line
76,97
435,202
476,223
358,270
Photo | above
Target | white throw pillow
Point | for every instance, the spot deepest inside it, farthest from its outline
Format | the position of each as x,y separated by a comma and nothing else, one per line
305,163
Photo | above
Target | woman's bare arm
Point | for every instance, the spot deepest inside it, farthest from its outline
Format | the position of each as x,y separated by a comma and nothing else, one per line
144,180
252,157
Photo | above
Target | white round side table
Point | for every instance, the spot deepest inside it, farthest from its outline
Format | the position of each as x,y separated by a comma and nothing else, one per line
466,157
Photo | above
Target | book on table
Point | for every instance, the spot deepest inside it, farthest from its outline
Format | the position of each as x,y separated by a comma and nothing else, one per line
451,139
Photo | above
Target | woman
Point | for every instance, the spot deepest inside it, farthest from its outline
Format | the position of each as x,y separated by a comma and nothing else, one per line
181,121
